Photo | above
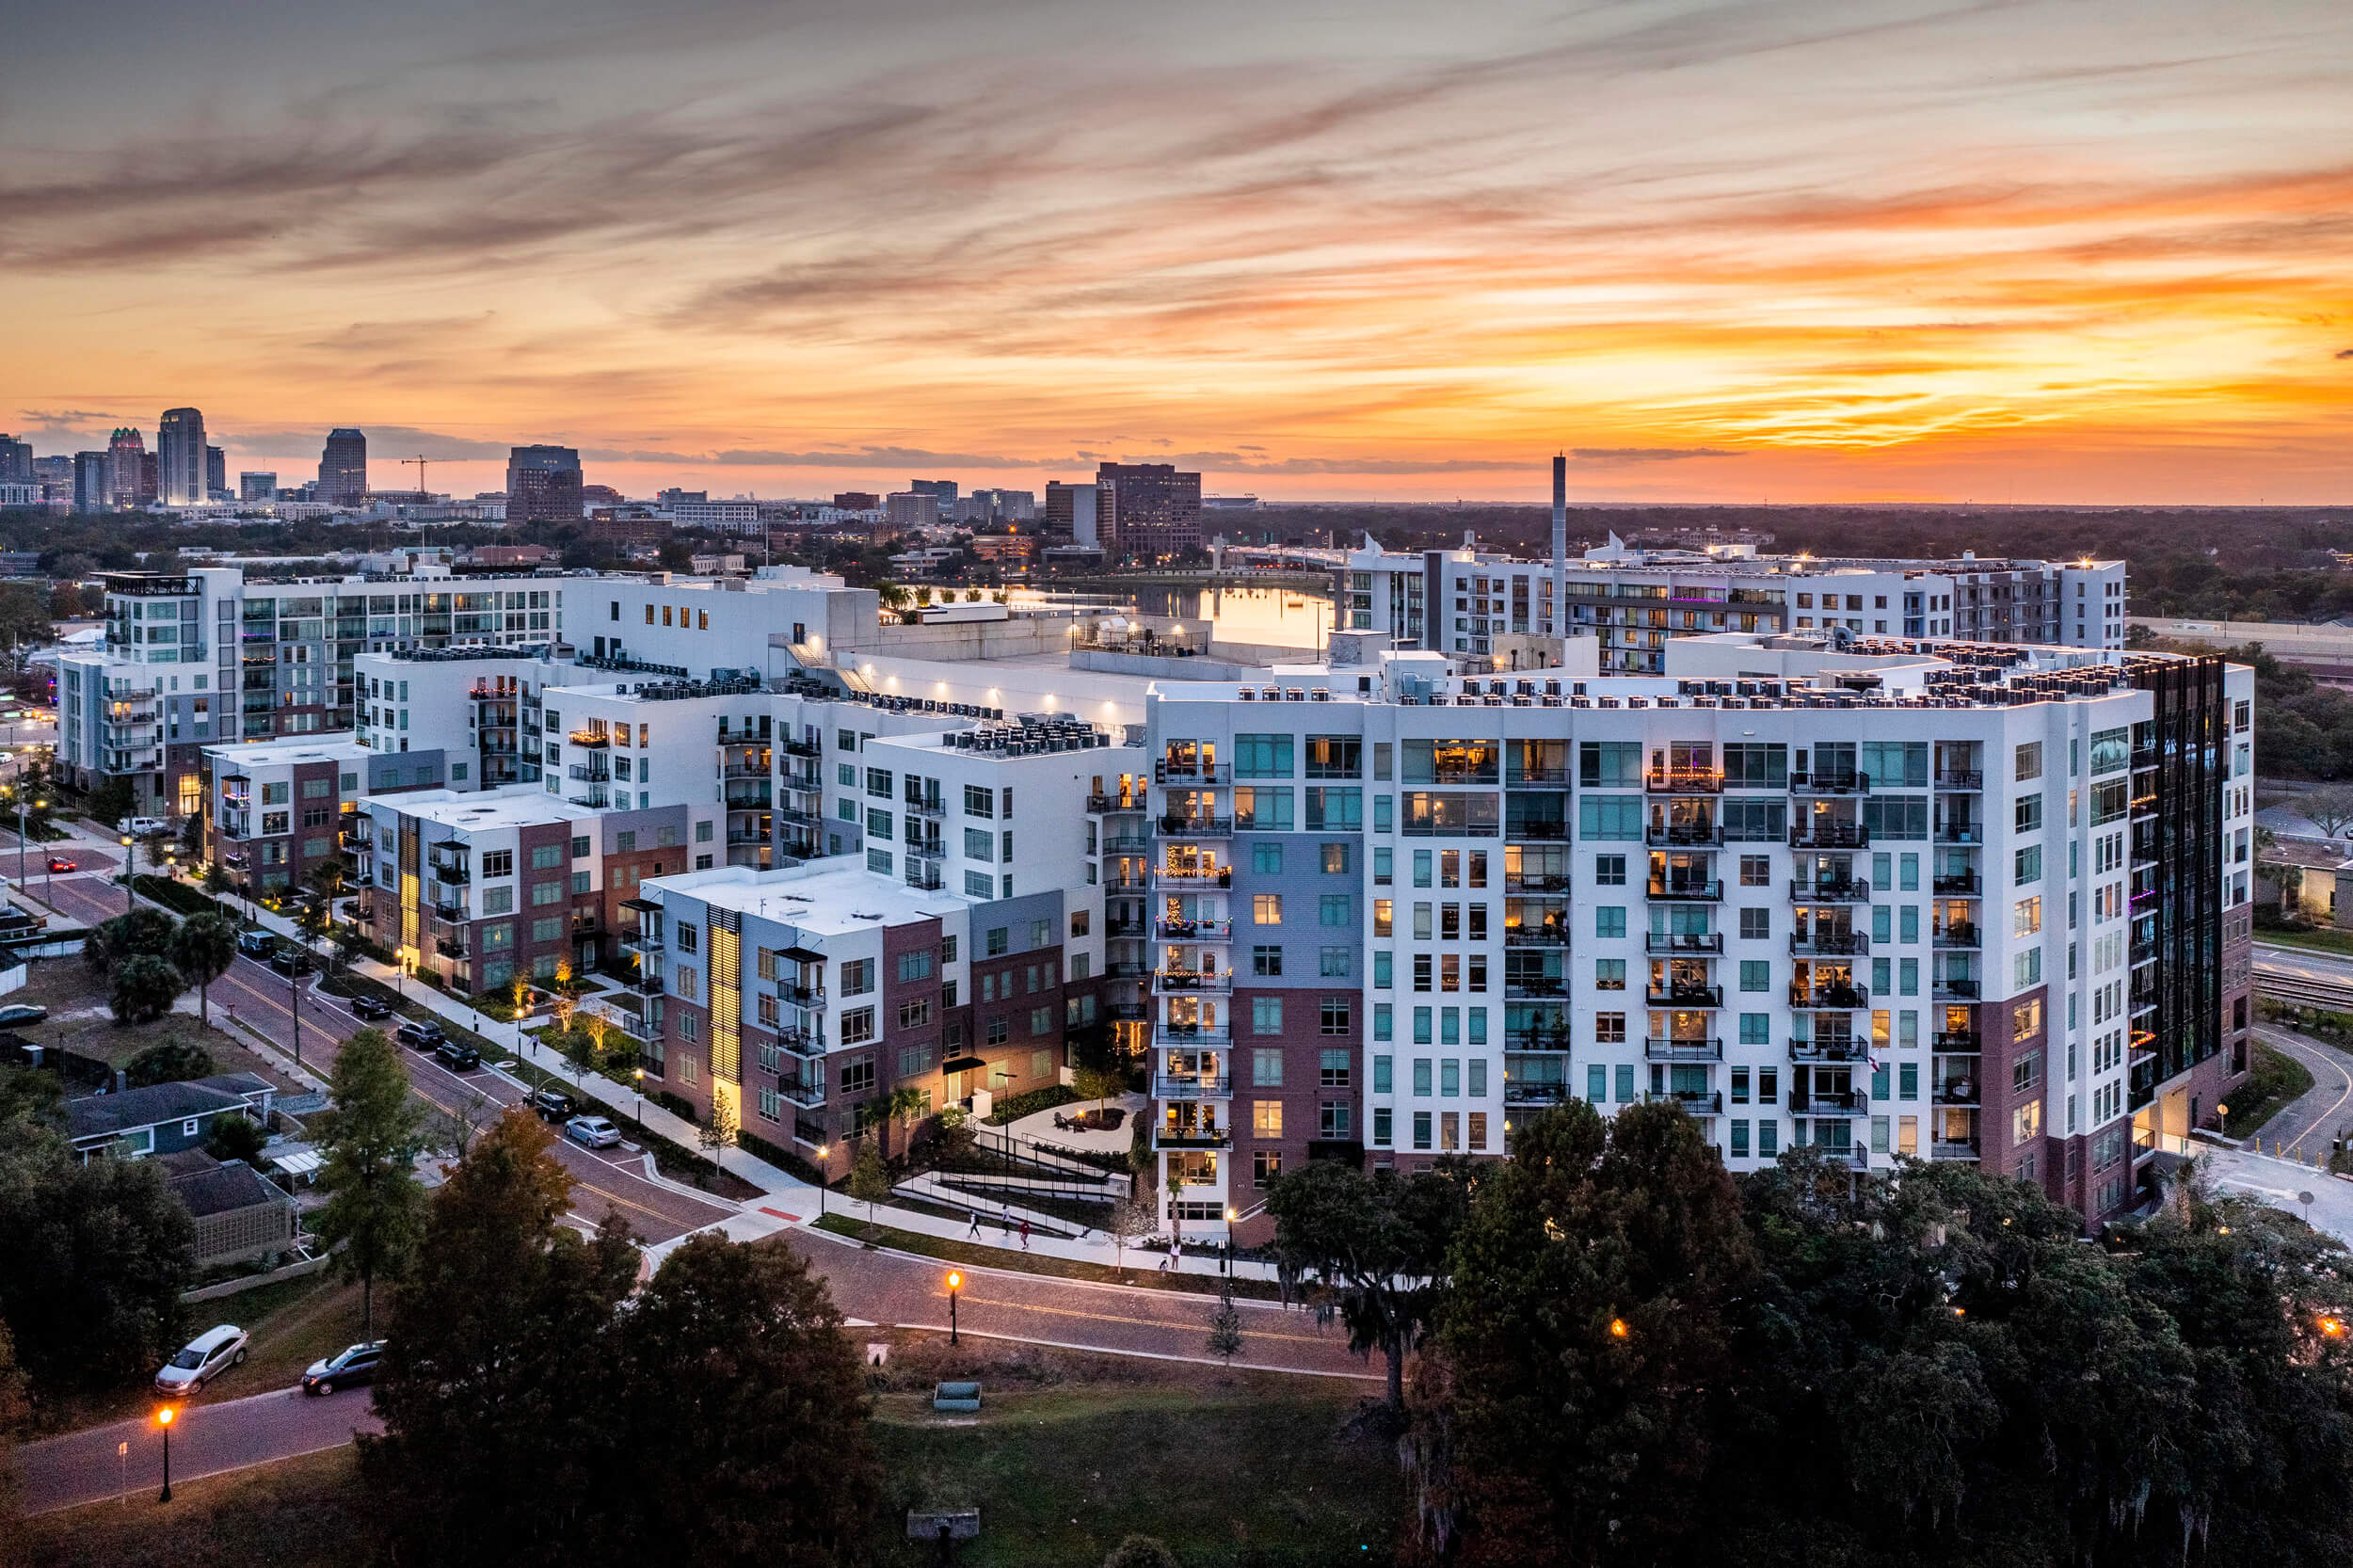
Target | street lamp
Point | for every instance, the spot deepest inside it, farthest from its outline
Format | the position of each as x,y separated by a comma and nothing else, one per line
955,1283
163,1419
1229,1238
824,1151
638,1074
23,806
127,868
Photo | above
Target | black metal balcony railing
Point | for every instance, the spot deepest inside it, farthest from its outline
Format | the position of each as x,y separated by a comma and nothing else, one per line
1806,890
1193,1137
1685,890
1826,833
1219,877
1839,1102
1835,1048
1655,1049
1538,884
1193,1086
1955,988
1960,885
1197,827
1955,1041
798,749
1193,979
1830,943
1687,996
1684,781
1957,1091
1958,934
1544,830
1683,941
1534,985
1535,935
1941,1152
800,995
1188,930
1105,805
1191,772
1961,778
455,876
1192,1033
1698,1102
1835,998
1693,835
1829,783
1517,1093
1534,778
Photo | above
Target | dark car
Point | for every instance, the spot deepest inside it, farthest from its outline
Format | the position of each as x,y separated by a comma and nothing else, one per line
22,1013
257,944
554,1105
458,1056
370,1007
425,1036
290,961
350,1368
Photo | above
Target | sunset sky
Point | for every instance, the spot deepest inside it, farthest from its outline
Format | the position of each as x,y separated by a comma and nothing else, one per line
2068,250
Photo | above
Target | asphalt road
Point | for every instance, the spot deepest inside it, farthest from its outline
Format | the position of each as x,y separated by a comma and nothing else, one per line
2305,1125
904,1292
2295,963
206,1439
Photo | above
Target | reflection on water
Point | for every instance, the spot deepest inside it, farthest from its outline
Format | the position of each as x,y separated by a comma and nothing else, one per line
1284,616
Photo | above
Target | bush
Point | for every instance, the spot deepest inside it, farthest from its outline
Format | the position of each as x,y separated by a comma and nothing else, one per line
782,1159
180,897
236,1138
169,1062
1017,1106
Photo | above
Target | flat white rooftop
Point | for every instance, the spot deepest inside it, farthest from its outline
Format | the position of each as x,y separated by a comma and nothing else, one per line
517,805
821,899
323,748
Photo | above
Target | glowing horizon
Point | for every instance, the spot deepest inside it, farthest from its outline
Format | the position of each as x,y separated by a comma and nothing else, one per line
1878,250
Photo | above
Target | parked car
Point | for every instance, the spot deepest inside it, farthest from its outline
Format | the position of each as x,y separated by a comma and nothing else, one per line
291,960
458,1056
257,944
203,1358
22,1013
140,827
593,1132
351,1368
554,1105
60,863
371,1007
423,1036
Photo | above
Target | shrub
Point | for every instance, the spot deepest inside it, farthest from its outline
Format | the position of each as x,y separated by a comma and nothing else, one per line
173,1061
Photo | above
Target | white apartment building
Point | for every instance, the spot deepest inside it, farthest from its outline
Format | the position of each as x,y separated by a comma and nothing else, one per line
1483,606
1956,901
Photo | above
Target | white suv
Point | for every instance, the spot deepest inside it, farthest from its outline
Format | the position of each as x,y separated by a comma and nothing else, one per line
203,1359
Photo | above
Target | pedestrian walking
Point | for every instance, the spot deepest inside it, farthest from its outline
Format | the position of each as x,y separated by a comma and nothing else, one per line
1025,1233
974,1233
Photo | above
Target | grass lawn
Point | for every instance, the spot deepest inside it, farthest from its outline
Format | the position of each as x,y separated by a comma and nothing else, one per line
2322,942
2276,1081
80,1020
1142,1266
1069,1454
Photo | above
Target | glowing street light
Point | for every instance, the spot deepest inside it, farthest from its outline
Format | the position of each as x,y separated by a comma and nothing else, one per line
955,1283
163,1419
824,1152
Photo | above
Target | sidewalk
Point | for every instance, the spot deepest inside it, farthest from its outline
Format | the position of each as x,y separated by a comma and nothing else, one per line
1093,1247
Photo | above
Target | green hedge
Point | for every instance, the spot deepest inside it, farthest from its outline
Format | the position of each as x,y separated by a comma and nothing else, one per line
782,1159
180,898
1030,1103
676,1105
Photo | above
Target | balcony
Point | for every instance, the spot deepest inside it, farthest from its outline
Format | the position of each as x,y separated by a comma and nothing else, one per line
1193,1138
1960,833
1193,1086
734,769
1674,835
448,914
1124,969
1212,981
1520,986
1691,942
809,996
1128,884
1957,781
1697,1102
1166,877
1683,1050
1546,830
589,738
1954,1042
930,806
1839,1102
1805,890
1687,996
1837,1048
1957,934
1941,1152
448,948
1830,997
596,797
805,1096
1516,1093
640,943
1830,944
1184,931
798,749
1540,884
1955,988
1191,772
1109,805
1679,890
1536,936
1958,886
1958,1091
802,1043
1826,833
455,876
1183,1035
647,984
1829,783
1684,781
1197,827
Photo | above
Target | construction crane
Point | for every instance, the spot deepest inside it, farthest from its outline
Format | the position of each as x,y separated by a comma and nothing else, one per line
418,462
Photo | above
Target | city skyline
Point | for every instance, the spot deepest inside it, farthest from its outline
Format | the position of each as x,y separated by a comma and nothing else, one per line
1903,251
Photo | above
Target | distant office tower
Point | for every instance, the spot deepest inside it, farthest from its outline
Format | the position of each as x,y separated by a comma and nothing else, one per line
54,475
92,485
16,461
944,491
543,485
253,486
127,469
857,500
344,467
215,474
1000,507
1071,509
912,509
1147,509
180,457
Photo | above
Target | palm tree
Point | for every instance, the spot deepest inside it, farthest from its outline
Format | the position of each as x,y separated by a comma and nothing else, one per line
202,948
